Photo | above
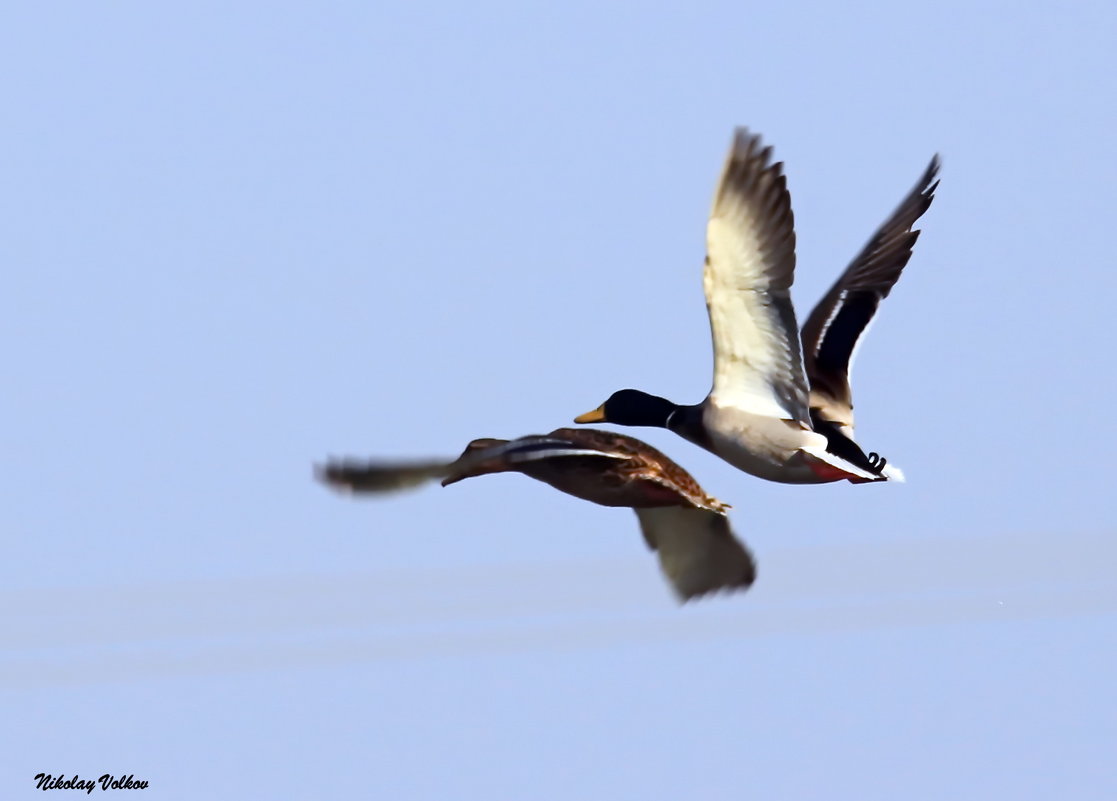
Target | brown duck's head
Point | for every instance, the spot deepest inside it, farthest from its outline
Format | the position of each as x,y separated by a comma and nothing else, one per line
631,407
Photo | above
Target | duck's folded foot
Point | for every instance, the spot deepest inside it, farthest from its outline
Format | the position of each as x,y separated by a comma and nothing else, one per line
877,462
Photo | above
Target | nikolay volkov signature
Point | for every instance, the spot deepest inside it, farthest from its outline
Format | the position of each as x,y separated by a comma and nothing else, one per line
46,781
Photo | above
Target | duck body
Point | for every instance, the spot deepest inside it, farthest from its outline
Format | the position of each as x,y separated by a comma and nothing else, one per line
601,467
778,450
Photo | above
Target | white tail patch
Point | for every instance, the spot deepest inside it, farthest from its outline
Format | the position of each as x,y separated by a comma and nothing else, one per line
893,473
820,453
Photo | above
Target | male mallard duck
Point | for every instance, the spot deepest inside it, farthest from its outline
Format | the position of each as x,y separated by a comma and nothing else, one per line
760,415
686,527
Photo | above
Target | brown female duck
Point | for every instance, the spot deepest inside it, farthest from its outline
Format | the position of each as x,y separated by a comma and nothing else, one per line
688,529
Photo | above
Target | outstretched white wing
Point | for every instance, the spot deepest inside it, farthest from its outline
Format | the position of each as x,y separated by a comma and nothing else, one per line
750,266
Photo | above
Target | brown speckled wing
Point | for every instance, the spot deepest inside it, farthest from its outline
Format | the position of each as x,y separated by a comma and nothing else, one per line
646,462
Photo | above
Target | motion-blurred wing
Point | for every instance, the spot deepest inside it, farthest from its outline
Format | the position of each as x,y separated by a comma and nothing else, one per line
377,477
697,550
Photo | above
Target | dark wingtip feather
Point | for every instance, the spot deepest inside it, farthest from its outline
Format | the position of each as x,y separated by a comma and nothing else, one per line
350,475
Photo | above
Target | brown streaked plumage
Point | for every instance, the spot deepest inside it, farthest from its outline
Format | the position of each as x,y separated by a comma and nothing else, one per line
602,467
686,527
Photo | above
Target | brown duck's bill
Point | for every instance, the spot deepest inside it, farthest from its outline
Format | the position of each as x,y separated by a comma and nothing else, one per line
596,416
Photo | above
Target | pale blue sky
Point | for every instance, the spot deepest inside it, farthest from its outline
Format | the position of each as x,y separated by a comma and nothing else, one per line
239,238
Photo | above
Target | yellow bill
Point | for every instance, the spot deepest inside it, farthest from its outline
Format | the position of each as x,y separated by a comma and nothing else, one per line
596,416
